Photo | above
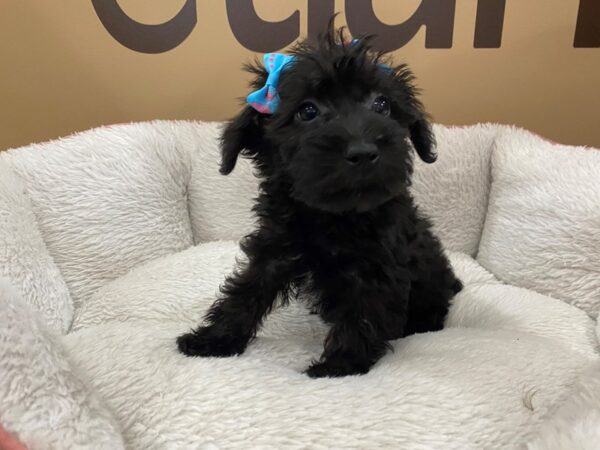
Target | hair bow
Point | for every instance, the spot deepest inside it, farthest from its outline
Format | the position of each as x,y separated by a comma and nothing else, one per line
266,99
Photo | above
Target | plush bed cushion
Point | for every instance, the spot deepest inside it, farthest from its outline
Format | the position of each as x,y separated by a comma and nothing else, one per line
459,388
542,230
501,367
453,191
43,399
176,287
108,199
24,258
220,206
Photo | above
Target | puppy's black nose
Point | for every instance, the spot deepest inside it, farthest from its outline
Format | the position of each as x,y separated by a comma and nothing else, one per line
361,153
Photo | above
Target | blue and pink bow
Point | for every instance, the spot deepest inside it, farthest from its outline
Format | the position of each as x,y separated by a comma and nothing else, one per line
266,99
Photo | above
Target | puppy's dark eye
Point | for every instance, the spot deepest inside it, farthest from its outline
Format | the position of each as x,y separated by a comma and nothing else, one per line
381,105
307,112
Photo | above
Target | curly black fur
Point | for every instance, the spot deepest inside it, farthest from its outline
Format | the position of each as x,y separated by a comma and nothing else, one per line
344,227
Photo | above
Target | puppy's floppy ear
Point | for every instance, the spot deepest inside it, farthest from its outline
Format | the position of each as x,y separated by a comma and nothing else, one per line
243,134
423,140
413,112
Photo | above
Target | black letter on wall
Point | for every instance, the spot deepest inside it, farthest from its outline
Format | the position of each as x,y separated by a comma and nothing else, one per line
256,34
146,38
436,15
587,34
319,13
489,23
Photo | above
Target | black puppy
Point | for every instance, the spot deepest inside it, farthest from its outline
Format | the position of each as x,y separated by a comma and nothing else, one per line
335,215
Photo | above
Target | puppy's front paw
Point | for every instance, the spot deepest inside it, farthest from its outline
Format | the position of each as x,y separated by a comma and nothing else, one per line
207,341
336,368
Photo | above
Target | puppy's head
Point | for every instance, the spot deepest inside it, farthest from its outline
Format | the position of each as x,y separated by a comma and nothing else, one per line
342,135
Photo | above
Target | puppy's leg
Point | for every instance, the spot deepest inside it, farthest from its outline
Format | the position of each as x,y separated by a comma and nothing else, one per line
233,320
363,318
351,348
433,286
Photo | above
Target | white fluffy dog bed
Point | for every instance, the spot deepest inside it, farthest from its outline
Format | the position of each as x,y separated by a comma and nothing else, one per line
114,241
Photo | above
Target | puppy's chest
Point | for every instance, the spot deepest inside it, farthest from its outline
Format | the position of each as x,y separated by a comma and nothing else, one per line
349,245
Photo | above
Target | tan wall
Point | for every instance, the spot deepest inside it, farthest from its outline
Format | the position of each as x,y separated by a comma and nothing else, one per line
61,71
